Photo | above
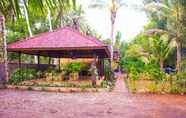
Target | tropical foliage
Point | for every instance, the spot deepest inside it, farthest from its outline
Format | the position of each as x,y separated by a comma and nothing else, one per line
158,46
20,75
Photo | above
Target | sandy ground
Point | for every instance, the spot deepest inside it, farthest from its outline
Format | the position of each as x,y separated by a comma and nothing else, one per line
30,104
116,104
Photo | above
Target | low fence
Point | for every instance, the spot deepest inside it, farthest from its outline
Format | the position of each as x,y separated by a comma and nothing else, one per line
13,66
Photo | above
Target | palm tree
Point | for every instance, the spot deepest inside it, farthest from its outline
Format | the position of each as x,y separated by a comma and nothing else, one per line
22,4
7,6
161,48
113,7
5,54
174,11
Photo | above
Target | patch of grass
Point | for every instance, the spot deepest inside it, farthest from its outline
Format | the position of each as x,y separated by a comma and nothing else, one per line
177,90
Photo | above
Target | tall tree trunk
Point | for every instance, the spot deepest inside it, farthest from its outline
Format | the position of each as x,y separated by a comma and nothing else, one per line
27,21
113,17
61,19
161,64
49,20
178,42
5,53
51,29
178,55
28,26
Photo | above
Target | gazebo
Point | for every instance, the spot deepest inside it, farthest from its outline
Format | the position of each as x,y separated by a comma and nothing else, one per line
63,43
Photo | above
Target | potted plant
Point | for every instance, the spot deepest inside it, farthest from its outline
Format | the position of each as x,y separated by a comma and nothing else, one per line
74,69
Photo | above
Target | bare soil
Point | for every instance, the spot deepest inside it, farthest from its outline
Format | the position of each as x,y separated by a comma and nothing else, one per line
116,104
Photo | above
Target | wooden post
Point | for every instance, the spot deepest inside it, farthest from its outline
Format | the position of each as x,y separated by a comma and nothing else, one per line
38,59
19,65
59,62
49,60
110,69
95,57
38,62
93,67
102,67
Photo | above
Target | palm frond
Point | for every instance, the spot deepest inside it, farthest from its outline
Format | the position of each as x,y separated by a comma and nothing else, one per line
13,5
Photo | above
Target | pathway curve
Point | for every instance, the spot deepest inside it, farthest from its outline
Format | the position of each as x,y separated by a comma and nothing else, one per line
120,86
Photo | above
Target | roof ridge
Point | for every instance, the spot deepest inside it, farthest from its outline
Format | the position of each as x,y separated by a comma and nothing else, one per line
84,35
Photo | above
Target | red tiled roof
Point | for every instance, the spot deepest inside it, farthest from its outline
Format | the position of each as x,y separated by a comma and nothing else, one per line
60,38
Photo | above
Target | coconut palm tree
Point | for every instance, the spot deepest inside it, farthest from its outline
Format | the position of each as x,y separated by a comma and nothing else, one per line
4,46
7,6
113,7
174,11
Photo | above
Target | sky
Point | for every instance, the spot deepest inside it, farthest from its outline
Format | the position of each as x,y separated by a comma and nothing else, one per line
129,21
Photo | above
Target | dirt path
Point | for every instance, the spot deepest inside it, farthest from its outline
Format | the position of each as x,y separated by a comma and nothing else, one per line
116,104
120,85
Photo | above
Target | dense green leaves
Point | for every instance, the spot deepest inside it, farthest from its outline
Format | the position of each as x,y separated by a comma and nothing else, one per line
12,7
20,75
74,67
169,15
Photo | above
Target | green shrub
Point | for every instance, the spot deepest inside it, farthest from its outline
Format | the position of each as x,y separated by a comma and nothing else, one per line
104,83
74,67
180,79
53,70
133,74
175,90
154,72
107,72
130,63
20,75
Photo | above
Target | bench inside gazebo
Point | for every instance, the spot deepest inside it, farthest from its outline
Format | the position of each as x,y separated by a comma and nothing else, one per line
63,43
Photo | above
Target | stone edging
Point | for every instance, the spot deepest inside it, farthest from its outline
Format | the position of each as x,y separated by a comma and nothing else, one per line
57,89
